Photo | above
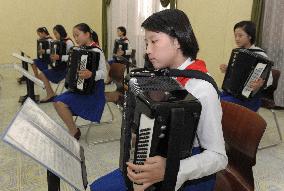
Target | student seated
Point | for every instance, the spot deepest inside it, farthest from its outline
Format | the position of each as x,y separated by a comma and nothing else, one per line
172,44
57,72
121,51
43,55
244,32
90,106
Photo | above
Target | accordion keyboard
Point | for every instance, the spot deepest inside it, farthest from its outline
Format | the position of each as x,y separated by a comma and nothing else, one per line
143,145
254,76
55,48
83,65
40,47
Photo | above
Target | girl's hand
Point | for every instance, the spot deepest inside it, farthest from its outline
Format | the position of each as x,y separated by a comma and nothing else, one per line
41,51
223,68
54,57
120,52
151,172
85,73
255,85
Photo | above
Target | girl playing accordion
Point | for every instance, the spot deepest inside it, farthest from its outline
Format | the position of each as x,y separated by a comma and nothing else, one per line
43,59
244,32
58,71
172,44
91,106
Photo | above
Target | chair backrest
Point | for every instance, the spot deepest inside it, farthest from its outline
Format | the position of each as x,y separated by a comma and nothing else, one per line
116,72
276,76
242,129
269,91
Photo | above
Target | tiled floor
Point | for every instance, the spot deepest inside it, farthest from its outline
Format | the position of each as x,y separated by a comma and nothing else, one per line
20,173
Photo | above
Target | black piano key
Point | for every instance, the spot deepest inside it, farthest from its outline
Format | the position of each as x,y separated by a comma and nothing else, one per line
143,145
146,129
144,134
143,141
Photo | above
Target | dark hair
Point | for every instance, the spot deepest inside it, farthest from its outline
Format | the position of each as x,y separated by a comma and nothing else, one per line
176,24
85,28
122,29
61,30
43,30
248,27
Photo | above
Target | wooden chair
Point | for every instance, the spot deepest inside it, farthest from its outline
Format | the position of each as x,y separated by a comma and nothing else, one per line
133,58
242,130
267,102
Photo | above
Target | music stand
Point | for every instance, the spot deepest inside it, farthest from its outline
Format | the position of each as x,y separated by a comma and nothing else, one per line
22,79
36,135
31,80
30,88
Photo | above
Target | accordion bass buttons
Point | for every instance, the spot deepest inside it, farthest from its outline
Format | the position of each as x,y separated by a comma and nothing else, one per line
160,119
163,127
162,135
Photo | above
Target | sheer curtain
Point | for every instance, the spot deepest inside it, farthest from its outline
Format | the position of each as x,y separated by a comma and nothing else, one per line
273,41
131,14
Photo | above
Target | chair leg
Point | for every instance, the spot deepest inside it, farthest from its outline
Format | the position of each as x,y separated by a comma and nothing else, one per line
58,85
277,124
278,130
89,125
111,112
75,119
62,89
87,133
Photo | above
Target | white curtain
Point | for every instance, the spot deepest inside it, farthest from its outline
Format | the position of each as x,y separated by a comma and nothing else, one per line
273,41
130,14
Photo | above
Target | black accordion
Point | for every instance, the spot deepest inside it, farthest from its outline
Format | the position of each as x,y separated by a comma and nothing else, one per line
81,58
58,47
163,117
245,66
120,44
43,44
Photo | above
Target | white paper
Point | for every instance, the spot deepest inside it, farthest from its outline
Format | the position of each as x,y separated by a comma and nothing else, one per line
22,58
29,76
36,135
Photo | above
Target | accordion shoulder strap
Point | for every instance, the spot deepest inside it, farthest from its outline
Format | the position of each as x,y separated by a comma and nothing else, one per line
194,74
257,50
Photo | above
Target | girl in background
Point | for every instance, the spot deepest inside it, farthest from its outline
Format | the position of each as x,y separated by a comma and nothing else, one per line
42,63
89,107
58,73
244,32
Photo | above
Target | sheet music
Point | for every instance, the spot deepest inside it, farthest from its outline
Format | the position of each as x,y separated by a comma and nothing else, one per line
29,76
39,137
25,59
254,76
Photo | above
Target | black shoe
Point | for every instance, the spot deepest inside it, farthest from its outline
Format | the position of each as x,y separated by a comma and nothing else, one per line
78,134
48,100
